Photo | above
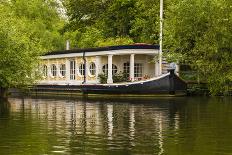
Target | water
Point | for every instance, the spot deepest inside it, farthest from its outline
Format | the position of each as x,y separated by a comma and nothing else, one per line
171,126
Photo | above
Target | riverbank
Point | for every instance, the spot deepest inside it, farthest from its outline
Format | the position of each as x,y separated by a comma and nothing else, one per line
201,89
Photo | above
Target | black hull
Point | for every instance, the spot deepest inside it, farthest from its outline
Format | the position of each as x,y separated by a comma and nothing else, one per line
169,84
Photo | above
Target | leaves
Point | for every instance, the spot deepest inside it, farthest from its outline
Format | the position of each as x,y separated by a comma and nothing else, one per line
199,30
25,34
136,20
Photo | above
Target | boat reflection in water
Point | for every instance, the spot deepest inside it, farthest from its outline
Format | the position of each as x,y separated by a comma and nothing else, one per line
154,126
95,127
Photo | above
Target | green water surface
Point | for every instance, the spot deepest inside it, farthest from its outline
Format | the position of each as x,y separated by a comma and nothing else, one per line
164,126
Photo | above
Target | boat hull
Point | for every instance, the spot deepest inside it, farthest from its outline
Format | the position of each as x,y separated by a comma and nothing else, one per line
167,84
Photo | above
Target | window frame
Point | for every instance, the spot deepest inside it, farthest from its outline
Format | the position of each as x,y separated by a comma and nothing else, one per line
82,69
92,69
72,69
53,70
63,70
105,69
126,69
138,70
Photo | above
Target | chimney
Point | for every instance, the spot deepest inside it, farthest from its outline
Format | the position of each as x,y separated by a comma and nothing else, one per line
67,45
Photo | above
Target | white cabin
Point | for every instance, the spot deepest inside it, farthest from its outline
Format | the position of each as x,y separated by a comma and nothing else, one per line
82,66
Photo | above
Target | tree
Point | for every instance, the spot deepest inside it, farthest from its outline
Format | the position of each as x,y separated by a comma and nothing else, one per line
145,25
25,34
200,30
95,20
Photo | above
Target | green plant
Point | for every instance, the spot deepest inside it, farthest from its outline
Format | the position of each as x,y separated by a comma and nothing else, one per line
120,77
103,78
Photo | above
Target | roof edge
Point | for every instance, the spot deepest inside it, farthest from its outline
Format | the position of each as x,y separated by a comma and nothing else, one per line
107,48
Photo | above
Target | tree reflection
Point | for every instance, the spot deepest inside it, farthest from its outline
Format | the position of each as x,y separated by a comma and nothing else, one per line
157,126
4,108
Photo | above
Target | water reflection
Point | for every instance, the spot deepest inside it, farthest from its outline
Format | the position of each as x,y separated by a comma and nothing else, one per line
110,121
4,108
165,126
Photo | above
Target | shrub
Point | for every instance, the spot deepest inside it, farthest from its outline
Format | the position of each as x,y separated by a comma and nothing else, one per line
120,77
103,78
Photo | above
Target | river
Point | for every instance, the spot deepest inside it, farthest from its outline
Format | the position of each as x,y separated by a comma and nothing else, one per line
161,126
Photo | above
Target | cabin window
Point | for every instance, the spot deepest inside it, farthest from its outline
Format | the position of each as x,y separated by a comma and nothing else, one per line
53,70
45,70
62,69
92,68
82,69
138,70
105,69
126,69
72,70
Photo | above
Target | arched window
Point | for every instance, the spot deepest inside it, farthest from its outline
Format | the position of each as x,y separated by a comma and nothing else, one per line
53,70
62,69
105,69
114,69
82,69
45,70
92,68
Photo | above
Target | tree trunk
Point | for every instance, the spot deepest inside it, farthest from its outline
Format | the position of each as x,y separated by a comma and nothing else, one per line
3,92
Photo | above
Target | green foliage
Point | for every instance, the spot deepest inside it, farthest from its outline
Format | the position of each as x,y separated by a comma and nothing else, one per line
103,78
113,41
72,37
200,31
120,77
104,23
92,37
173,57
89,38
27,30
43,18
197,32
145,25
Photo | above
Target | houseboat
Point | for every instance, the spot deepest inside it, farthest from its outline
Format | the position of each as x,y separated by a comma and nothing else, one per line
82,69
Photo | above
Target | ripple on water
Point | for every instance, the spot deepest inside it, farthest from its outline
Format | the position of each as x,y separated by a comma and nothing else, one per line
168,126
